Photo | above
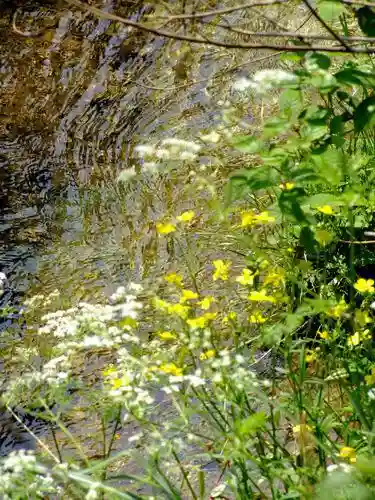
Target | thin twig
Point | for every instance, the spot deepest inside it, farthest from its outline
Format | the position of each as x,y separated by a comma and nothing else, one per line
356,242
221,12
217,43
294,34
39,441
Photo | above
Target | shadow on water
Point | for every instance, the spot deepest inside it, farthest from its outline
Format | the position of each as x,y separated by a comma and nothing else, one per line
75,100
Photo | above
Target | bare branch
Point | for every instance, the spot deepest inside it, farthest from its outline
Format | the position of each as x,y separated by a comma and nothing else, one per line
221,12
294,34
326,26
218,43
26,34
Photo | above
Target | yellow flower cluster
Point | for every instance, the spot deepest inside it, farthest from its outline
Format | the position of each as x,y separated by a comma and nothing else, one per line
168,226
257,318
201,321
250,218
171,369
174,279
221,269
348,453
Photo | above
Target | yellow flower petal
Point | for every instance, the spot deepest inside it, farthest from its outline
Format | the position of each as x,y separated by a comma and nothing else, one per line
207,355
205,303
325,209
165,228
188,295
186,216
261,297
174,279
246,278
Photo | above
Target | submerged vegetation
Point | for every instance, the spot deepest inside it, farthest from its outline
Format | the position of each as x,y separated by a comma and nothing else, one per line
241,362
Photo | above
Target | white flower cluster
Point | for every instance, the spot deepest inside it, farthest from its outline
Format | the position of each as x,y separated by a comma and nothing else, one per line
3,282
266,80
168,149
86,325
20,470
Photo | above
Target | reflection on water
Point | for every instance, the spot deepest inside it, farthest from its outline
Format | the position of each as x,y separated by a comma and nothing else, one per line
74,101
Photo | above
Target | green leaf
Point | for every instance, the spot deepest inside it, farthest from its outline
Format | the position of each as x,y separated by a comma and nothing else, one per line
307,240
330,10
330,165
364,115
252,424
337,130
275,126
351,76
247,144
316,60
256,178
366,20
289,203
290,100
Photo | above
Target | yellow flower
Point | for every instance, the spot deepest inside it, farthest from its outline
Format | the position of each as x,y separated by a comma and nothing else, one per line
109,371
174,279
257,318
264,264
370,379
247,218
165,228
354,340
179,310
326,210
167,336
221,269
287,186
302,428
358,337
260,297
188,295
264,218
275,278
362,317
247,277
161,304
310,356
171,369
186,216
364,286
337,310
207,355
201,321
231,316
205,303
324,335
117,383
348,453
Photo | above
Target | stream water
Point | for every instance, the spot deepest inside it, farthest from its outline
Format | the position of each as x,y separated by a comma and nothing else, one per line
75,100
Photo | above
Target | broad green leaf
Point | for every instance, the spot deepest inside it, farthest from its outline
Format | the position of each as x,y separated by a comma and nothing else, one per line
275,126
330,10
256,178
366,20
364,115
353,76
316,60
247,144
